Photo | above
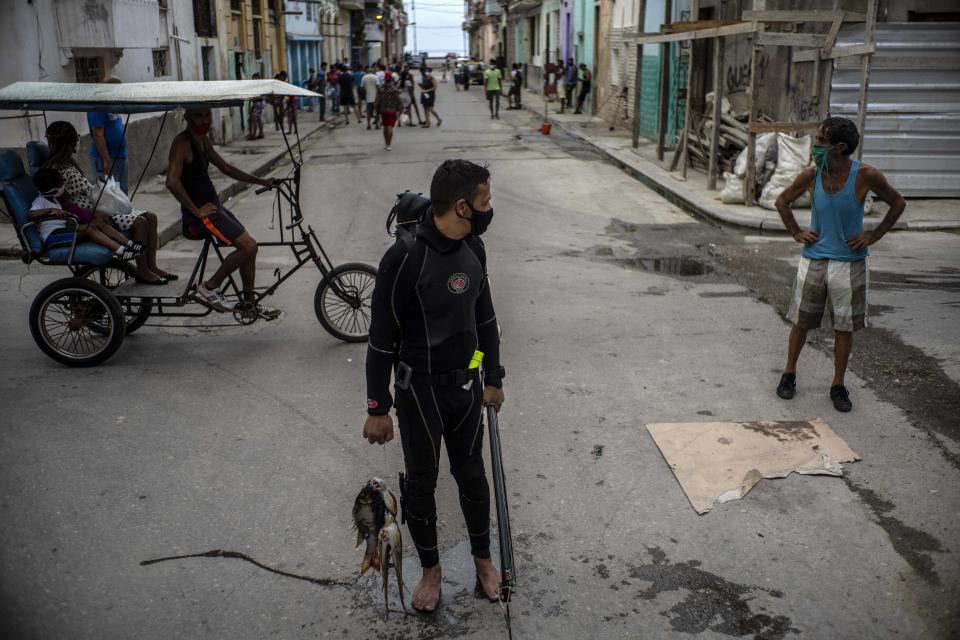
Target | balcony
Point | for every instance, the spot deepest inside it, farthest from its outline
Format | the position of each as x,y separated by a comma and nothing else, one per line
351,5
109,24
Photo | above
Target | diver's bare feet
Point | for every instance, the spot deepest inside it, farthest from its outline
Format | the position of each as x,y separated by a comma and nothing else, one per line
488,578
426,595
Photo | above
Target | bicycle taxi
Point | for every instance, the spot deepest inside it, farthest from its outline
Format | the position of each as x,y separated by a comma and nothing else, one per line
81,320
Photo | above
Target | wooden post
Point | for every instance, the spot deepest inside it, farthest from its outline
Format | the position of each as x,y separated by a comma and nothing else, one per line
664,88
717,101
691,45
868,40
750,181
637,95
664,84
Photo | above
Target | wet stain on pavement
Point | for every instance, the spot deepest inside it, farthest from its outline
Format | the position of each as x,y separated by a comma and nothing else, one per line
783,431
726,294
597,452
913,545
682,266
712,602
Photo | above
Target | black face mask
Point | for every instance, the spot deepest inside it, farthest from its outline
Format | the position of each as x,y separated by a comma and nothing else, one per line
480,220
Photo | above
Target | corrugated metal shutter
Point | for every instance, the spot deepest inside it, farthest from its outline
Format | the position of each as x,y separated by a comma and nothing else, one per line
913,104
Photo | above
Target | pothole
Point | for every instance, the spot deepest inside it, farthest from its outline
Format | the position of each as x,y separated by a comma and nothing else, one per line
683,266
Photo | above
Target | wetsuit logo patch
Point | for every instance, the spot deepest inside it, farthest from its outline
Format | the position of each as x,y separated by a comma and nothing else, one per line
458,283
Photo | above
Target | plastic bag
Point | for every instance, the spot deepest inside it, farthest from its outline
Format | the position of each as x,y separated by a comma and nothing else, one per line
405,119
113,200
763,141
732,192
793,155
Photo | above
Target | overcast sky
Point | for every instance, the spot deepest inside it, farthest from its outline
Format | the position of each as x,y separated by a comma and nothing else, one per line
438,25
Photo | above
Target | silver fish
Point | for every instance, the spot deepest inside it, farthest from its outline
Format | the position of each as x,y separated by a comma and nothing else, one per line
374,518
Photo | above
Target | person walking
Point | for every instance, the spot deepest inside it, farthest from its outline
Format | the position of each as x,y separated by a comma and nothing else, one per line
570,81
517,88
585,78
561,86
833,270
369,84
333,88
388,106
465,75
428,98
347,100
256,115
318,84
493,80
431,312
407,84
108,153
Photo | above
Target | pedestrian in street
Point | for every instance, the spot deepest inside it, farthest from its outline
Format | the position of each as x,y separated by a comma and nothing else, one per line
570,81
347,101
388,106
108,153
279,104
833,265
432,298
492,79
517,89
291,106
585,78
407,84
204,216
333,88
256,115
428,98
561,87
320,86
309,82
369,85
465,76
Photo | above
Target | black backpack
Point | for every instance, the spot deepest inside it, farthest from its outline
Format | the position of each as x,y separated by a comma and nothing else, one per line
407,212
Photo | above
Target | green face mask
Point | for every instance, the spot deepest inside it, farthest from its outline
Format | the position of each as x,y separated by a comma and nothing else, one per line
820,153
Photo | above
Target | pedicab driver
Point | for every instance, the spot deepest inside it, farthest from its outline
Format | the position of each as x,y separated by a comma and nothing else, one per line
432,309
203,215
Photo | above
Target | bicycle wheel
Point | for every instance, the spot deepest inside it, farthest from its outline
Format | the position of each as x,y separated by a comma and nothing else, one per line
112,276
77,322
346,317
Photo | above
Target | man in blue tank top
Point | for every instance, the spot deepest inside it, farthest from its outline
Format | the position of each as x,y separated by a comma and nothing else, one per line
833,267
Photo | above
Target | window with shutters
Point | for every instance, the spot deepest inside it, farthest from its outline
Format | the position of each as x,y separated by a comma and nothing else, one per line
161,58
88,69
205,18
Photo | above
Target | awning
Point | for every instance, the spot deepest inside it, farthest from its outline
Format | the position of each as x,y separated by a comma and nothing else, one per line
141,97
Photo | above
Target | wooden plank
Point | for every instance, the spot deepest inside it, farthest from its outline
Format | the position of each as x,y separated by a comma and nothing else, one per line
750,181
699,34
869,35
767,127
832,34
837,52
637,96
680,27
662,104
713,161
801,16
770,39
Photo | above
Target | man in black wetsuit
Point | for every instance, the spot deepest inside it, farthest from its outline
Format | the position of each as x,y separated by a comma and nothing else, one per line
431,310
203,215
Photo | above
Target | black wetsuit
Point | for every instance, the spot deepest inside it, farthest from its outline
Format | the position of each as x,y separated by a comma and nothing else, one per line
431,309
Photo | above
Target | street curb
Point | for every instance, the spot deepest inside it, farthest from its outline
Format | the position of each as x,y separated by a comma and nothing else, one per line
170,230
673,191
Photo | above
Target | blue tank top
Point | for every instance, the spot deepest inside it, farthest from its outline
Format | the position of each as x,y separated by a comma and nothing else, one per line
836,217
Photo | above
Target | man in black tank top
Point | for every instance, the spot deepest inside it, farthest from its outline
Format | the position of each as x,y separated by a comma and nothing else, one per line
431,311
202,214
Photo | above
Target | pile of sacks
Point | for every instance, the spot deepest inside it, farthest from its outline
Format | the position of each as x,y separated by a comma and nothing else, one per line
779,160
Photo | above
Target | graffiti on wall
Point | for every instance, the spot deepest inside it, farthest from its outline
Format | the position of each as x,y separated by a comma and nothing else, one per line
738,75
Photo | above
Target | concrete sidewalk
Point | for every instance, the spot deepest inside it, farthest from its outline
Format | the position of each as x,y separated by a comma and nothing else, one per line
692,194
257,157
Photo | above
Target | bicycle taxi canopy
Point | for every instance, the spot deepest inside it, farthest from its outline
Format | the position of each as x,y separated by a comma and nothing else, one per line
142,97
81,321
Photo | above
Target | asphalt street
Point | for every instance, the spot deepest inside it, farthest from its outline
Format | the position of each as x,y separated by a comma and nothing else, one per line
617,310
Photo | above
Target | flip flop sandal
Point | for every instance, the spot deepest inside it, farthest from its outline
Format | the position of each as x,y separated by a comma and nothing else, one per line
158,282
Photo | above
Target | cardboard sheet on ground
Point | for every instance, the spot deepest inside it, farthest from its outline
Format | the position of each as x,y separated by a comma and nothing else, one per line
722,461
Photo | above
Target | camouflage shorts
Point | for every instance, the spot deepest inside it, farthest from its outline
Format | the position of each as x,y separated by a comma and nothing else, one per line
833,285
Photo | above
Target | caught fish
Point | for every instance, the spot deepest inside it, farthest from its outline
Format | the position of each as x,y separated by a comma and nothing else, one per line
374,518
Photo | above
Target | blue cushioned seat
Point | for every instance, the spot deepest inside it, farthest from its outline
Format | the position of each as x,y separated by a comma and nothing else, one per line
19,193
37,154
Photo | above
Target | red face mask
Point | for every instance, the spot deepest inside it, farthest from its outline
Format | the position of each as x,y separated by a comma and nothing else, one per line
200,129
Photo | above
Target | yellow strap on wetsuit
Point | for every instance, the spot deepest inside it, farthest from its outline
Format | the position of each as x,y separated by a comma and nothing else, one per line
476,360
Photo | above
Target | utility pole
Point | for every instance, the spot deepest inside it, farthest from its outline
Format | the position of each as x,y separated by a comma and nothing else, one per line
413,8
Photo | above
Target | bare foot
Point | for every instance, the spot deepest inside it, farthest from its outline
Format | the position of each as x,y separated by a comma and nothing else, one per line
489,577
426,595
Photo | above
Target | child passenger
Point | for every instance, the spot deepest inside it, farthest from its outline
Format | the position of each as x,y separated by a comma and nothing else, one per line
54,232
